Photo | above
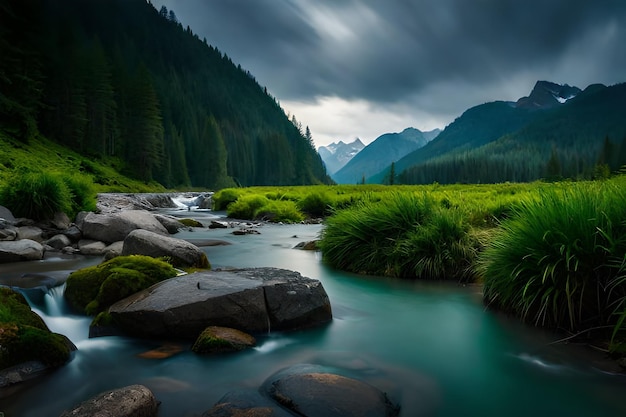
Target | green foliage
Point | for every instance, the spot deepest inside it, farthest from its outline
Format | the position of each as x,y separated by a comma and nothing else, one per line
95,288
284,211
316,204
224,197
82,194
559,261
406,235
246,206
36,195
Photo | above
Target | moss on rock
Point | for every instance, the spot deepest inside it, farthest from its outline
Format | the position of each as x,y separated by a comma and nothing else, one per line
95,288
216,339
191,223
25,337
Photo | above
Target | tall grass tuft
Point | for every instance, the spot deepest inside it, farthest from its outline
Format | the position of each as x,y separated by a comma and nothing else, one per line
559,260
82,194
406,235
36,195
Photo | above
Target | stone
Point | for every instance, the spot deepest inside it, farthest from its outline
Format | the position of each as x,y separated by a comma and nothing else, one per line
20,250
130,401
216,339
60,221
30,232
246,403
7,232
6,214
115,227
310,245
215,224
254,300
91,247
113,250
58,242
323,394
181,252
73,233
171,224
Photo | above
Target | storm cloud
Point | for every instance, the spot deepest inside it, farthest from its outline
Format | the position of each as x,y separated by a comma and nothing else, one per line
418,62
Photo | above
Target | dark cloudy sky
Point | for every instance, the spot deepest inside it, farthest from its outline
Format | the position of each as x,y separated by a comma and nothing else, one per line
361,68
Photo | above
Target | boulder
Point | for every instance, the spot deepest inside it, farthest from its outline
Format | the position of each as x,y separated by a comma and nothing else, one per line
310,245
7,231
113,250
60,221
58,241
318,393
115,227
215,224
30,232
216,339
6,214
170,223
20,250
253,300
131,401
73,233
181,252
91,247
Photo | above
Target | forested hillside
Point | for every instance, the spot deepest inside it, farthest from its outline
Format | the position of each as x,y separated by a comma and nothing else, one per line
120,79
582,139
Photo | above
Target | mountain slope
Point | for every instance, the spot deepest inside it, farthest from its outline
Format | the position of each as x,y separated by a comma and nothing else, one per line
567,141
338,154
379,154
117,78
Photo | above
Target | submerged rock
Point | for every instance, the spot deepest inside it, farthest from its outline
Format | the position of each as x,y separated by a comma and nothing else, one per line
252,300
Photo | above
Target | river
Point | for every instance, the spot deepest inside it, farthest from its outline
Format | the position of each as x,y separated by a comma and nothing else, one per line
431,346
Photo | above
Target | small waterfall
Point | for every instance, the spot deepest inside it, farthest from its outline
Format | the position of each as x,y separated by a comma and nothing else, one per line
54,311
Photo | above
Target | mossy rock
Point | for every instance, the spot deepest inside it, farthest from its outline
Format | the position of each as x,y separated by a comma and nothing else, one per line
216,339
191,223
25,337
96,288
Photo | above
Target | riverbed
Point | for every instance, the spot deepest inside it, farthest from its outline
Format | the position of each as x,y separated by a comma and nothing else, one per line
431,346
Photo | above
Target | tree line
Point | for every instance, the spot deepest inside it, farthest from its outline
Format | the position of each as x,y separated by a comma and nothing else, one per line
122,81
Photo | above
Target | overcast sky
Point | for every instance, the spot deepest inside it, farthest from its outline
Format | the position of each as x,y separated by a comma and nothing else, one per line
361,68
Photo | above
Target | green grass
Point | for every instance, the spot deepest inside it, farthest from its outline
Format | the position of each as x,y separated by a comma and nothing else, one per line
560,261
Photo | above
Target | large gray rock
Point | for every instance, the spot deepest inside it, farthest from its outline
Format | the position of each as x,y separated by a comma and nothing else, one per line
91,247
20,250
30,232
131,401
58,241
170,223
115,227
252,300
6,214
182,253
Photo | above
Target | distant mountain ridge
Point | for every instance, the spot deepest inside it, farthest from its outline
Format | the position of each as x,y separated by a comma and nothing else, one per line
386,149
338,154
558,131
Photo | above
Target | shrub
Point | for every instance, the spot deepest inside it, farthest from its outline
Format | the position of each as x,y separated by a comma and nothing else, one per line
316,204
246,206
95,288
82,194
560,260
279,211
223,198
36,195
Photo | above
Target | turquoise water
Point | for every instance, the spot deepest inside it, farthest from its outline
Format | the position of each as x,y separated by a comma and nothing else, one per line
431,346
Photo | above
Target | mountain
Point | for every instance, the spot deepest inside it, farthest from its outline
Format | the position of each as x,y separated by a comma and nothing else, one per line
338,154
546,95
581,137
119,81
380,153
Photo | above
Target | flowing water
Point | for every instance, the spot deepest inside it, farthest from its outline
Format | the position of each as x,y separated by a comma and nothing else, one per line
431,346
